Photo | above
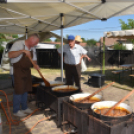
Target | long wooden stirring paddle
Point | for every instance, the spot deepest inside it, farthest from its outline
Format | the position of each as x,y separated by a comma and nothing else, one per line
88,97
45,81
112,108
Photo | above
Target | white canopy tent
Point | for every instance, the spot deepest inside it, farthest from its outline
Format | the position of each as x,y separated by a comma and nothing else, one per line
129,34
21,16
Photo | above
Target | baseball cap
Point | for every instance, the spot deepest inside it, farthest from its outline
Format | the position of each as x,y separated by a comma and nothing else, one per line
71,37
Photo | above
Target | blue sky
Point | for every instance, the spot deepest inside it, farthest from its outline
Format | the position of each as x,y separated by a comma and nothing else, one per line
95,29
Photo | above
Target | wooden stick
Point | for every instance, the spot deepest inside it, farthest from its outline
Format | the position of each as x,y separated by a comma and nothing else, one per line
112,108
45,81
88,97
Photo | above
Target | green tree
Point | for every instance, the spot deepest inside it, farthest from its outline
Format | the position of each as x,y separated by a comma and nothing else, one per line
119,46
127,26
15,36
6,38
83,40
48,40
2,38
57,46
66,36
57,40
91,42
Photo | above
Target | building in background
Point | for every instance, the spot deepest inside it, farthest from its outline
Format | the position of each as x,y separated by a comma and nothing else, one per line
110,42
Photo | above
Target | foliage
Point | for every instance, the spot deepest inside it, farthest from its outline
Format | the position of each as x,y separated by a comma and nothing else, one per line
83,40
6,38
57,40
2,38
67,36
48,40
127,26
119,46
1,49
57,46
91,42
15,36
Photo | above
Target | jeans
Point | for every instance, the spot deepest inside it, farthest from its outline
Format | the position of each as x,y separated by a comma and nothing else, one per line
19,100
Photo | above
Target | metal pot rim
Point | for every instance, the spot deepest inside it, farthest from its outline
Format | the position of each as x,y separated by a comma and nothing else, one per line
78,95
53,82
62,87
112,102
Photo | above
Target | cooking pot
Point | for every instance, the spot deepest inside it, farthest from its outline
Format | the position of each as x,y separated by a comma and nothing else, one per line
53,83
108,104
80,96
65,90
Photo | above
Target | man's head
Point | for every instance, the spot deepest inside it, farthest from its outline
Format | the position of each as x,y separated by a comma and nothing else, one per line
33,40
78,39
71,41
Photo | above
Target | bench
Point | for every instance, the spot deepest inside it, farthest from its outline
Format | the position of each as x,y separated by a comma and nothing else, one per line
118,72
132,75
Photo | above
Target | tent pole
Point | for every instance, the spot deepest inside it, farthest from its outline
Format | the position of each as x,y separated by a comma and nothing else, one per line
62,15
26,32
100,57
103,55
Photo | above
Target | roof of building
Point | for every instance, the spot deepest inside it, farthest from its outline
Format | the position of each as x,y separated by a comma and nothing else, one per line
109,41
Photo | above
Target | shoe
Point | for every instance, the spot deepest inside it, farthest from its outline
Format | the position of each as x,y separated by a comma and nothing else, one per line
73,131
80,90
28,111
20,114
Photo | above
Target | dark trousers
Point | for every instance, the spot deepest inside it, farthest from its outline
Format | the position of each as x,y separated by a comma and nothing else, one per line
73,74
19,100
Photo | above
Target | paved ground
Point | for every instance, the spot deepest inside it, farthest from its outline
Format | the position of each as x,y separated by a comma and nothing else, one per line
49,127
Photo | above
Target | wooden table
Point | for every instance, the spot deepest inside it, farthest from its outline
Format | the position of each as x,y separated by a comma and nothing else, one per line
127,67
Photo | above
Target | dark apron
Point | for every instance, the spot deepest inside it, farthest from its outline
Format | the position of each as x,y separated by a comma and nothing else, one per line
22,75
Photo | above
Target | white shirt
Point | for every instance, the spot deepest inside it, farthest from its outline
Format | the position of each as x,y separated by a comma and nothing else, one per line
20,45
72,56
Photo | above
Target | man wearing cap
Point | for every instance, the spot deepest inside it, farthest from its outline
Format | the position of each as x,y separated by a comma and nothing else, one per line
72,59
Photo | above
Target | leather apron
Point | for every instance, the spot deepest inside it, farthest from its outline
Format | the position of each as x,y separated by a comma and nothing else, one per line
22,75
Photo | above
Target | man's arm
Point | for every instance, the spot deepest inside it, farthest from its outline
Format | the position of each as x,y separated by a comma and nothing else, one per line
37,66
60,55
14,54
89,59
86,57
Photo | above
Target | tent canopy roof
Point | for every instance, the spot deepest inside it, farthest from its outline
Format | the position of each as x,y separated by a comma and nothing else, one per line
45,15
128,34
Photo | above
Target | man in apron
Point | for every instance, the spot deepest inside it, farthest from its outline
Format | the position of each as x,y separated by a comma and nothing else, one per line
21,77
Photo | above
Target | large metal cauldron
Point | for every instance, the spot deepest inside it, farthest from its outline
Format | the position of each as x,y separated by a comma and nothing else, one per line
109,104
64,90
53,83
81,96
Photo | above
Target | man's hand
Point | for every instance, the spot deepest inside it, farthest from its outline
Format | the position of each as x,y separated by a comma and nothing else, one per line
28,54
88,59
37,67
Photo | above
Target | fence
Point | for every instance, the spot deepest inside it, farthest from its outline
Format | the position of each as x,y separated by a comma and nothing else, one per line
0,57
50,58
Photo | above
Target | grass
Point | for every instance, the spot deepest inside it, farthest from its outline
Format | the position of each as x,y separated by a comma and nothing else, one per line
126,81
4,74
